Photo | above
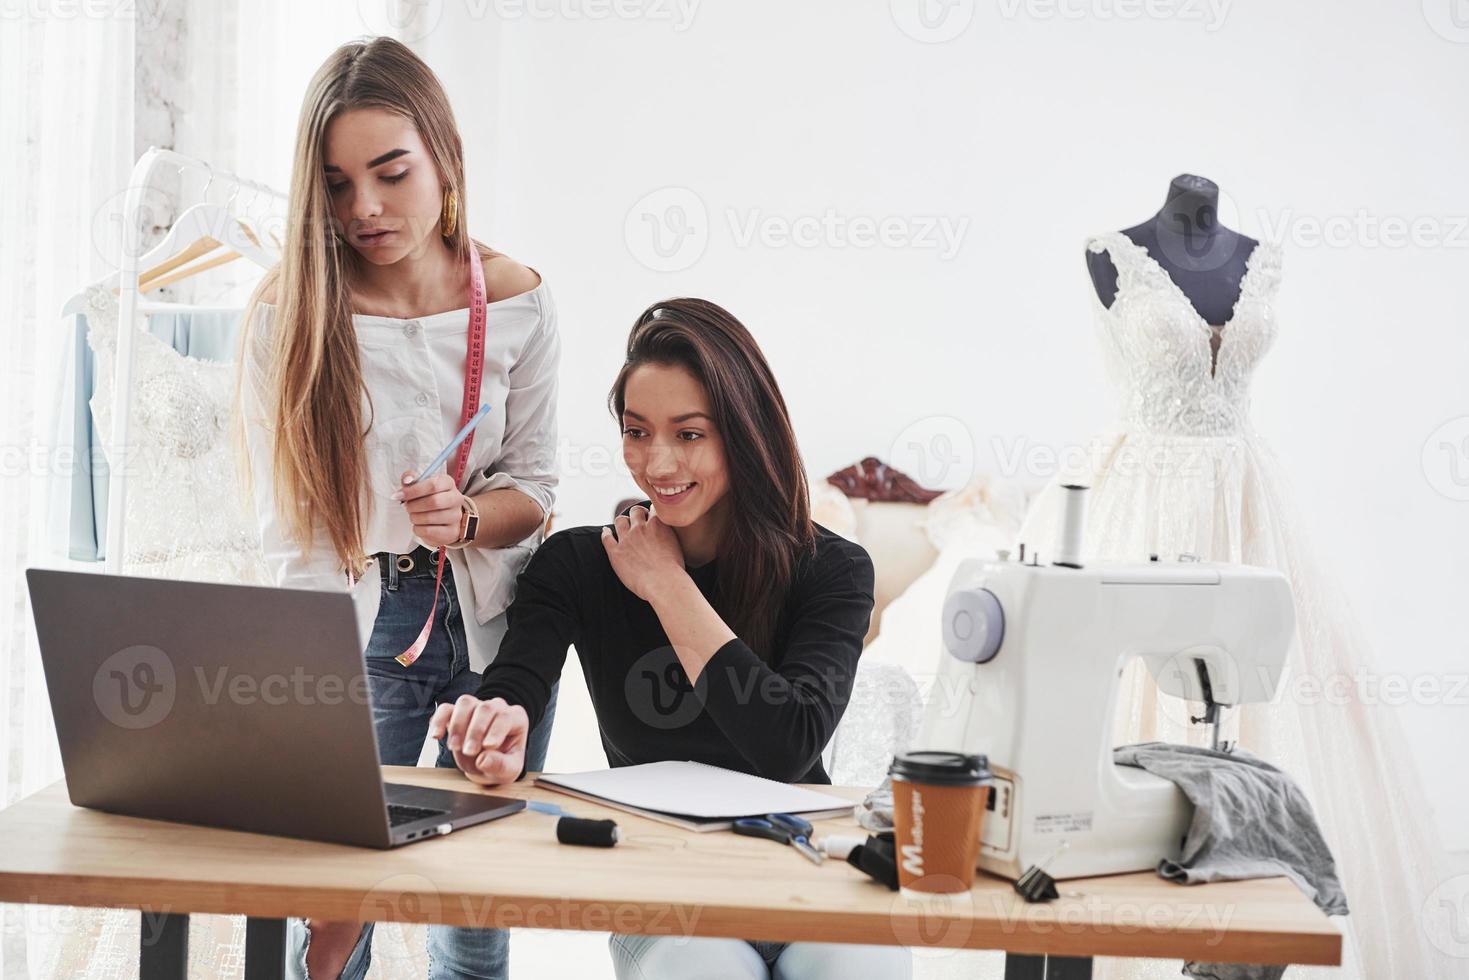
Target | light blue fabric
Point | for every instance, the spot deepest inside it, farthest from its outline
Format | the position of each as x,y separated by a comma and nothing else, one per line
206,335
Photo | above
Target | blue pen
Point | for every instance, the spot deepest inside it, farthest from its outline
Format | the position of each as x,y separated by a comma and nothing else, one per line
459,437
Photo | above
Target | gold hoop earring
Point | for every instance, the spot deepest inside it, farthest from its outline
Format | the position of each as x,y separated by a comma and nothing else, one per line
449,217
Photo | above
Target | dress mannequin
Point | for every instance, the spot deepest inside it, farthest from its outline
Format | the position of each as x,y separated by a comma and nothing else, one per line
1205,259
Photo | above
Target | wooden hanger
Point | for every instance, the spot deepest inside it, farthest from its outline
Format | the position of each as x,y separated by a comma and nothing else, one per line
204,237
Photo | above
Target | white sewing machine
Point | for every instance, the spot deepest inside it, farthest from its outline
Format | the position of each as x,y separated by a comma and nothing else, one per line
1029,677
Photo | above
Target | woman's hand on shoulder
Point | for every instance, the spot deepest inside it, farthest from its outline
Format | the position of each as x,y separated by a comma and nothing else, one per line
644,552
487,737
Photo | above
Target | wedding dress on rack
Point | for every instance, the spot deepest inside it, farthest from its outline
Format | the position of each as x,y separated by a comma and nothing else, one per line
1186,473
185,517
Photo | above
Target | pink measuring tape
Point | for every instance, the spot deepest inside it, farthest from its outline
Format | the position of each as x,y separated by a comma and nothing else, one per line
474,364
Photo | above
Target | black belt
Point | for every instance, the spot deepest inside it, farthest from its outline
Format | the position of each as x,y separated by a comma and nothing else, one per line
419,561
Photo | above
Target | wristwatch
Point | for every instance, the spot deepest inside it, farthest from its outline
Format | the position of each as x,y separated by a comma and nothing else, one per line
468,524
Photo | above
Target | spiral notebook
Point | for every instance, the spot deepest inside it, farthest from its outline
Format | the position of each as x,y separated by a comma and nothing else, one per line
693,795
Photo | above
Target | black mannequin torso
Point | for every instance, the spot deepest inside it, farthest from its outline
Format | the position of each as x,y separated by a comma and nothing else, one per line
1203,258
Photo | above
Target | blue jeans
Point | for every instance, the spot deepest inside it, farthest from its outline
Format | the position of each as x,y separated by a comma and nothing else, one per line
701,957
403,701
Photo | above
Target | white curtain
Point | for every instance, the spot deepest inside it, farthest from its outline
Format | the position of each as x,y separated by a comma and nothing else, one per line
63,78
85,91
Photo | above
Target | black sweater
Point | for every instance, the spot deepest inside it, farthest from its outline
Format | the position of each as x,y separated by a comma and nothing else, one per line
771,721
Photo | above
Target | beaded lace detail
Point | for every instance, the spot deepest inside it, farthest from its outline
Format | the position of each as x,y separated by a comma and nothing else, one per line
185,516
1158,350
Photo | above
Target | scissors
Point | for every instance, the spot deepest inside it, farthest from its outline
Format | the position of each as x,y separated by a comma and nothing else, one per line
784,828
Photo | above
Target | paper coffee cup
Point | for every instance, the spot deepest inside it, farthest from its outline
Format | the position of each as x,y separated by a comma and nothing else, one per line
938,805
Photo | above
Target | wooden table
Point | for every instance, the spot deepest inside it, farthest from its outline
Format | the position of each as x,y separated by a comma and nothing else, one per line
659,880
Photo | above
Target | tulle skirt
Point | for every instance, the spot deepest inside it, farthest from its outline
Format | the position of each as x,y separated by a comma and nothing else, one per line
1226,499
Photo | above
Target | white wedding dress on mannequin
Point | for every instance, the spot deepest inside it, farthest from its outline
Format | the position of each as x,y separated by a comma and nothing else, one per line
1185,473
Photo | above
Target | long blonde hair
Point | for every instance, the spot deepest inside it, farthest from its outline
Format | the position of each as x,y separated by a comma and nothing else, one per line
312,389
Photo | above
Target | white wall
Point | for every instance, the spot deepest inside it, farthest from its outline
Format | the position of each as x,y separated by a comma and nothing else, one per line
1035,125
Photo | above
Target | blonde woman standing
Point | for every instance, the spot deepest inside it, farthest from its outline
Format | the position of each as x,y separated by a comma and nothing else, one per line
384,327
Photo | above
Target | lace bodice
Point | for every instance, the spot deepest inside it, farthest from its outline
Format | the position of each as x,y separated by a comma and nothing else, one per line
1158,350
185,515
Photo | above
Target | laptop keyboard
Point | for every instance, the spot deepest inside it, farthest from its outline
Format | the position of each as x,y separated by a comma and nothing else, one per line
401,813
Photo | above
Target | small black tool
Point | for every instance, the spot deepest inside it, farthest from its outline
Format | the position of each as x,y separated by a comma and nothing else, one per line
589,833
877,859
1036,885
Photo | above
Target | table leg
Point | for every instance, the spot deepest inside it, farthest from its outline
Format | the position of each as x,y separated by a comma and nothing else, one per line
265,949
1019,966
163,946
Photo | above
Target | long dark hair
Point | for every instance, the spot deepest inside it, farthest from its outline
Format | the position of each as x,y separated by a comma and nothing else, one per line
769,527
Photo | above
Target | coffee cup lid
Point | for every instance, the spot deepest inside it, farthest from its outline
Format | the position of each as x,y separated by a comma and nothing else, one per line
944,768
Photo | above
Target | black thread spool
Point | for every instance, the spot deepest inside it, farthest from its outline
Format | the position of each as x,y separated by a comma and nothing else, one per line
587,833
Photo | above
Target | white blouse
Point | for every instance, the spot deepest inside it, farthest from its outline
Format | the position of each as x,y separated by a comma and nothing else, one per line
413,371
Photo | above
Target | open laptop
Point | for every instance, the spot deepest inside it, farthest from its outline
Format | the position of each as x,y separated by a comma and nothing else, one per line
226,705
